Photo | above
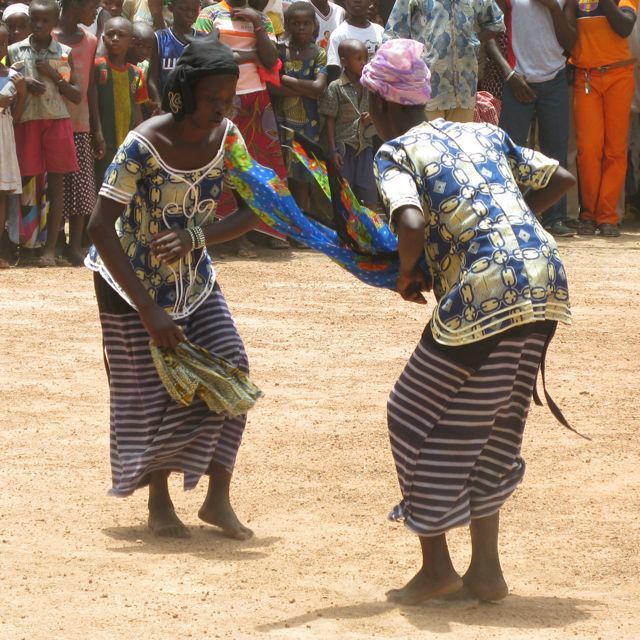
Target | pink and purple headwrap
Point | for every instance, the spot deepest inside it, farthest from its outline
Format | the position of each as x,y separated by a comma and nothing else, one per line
398,73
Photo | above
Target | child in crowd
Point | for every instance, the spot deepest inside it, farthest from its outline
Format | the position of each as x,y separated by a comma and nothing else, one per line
44,133
303,81
329,16
16,17
170,44
139,54
348,125
13,92
106,9
79,186
121,90
357,26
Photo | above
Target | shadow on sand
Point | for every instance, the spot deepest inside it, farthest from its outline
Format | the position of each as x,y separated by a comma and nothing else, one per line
437,616
204,542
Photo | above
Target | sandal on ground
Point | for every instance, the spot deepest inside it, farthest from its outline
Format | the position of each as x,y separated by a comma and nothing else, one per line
45,262
587,228
608,230
4,264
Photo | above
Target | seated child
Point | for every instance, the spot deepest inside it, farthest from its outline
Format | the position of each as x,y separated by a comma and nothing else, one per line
348,124
44,132
12,96
121,90
170,44
303,81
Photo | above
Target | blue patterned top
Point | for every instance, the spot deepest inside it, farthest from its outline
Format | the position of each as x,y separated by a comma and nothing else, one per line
158,197
448,29
493,264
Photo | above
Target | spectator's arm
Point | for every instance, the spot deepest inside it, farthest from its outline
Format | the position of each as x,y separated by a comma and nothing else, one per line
565,31
95,124
155,9
518,83
153,81
490,20
309,88
620,19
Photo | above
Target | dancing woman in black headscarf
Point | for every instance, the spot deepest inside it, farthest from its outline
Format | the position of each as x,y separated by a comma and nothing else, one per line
155,280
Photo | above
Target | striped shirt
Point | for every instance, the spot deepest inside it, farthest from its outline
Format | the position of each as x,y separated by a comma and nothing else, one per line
119,91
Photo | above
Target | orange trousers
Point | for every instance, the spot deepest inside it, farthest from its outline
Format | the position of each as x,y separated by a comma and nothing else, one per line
602,129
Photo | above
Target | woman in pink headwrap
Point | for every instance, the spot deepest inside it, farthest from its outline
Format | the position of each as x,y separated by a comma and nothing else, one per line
457,412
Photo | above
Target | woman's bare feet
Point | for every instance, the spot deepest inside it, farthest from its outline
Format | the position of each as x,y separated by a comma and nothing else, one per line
220,513
423,587
483,579
164,522
485,583
216,508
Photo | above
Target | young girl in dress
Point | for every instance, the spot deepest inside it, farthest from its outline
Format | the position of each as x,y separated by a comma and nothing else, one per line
303,81
155,280
12,96
79,186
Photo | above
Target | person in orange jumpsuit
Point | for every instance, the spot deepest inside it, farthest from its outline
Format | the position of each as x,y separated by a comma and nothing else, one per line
602,100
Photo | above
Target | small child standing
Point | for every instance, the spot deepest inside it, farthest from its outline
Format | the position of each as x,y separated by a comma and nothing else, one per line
79,187
170,44
44,134
121,90
13,92
356,26
303,82
348,124
142,45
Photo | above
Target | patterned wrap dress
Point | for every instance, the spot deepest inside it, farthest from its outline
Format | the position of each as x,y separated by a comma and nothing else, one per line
149,430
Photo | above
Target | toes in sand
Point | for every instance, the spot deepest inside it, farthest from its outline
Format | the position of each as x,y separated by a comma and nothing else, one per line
487,586
164,523
221,514
423,587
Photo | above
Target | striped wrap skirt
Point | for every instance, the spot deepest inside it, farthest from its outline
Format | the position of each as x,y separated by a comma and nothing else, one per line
149,431
456,417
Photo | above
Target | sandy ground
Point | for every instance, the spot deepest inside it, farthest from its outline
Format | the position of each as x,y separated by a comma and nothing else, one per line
315,476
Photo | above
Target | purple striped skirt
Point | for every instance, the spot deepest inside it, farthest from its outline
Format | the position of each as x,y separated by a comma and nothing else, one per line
149,430
455,424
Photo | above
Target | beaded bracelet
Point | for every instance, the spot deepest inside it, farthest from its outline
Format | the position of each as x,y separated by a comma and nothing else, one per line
198,240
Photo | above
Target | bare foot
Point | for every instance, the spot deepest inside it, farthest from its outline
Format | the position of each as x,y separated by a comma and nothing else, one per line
487,585
220,513
164,522
423,587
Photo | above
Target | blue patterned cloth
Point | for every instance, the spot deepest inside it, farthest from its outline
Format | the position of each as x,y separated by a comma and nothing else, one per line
158,197
493,264
448,29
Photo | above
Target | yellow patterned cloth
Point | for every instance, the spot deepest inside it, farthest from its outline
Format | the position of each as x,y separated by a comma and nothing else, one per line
189,371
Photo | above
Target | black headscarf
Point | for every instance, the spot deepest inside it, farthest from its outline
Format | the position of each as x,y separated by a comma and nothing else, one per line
201,57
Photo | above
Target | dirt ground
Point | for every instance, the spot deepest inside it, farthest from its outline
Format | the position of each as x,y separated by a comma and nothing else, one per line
315,476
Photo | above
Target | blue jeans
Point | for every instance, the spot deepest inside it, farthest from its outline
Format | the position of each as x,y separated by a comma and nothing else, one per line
551,109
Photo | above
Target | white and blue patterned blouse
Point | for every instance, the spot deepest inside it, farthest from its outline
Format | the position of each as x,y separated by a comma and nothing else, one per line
158,197
449,31
493,264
